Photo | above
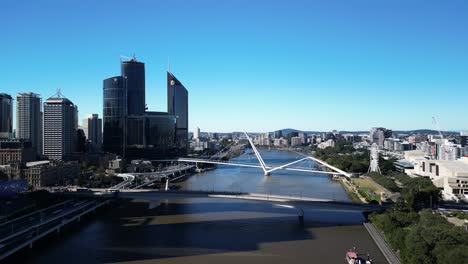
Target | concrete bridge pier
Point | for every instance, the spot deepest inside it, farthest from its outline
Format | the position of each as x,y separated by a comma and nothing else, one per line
300,216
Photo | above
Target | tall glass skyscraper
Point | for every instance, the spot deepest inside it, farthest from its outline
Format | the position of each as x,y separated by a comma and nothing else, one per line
177,105
132,131
6,116
29,119
133,73
114,110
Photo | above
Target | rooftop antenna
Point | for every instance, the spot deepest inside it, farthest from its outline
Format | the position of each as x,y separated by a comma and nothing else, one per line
126,57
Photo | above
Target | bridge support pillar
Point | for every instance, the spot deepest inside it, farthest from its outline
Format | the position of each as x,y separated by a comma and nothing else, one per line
300,216
267,173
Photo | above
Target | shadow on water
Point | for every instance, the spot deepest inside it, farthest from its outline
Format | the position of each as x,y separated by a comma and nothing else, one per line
195,227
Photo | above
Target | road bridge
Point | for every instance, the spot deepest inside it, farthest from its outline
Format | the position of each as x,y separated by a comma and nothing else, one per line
295,201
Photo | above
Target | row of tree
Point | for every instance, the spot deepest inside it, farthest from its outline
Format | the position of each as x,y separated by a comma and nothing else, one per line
418,233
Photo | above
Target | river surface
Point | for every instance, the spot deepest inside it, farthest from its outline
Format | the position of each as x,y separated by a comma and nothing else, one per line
217,230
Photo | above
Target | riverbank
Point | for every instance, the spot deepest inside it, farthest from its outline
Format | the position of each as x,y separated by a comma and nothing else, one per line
352,192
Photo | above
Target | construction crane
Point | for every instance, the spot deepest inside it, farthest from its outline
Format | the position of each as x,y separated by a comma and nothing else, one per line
434,121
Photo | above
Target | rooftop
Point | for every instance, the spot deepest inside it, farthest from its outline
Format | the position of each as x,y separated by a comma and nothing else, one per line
36,163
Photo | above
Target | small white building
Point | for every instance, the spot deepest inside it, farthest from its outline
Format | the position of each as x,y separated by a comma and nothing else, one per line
326,144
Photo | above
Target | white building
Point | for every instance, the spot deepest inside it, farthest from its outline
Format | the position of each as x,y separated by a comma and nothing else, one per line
196,133
449,175
280,142
326,144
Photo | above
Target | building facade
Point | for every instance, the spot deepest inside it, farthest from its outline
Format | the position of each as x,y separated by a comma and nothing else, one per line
29,120
114,110
59,127
6,116
177,105
92,127
50,173
133,74
132,131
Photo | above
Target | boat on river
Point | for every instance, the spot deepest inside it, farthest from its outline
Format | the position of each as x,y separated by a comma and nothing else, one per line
352,257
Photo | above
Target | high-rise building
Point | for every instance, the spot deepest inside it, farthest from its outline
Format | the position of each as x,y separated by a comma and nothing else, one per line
59,127
133,73
6,116
129,129
92,127
114,111
177,105
377,135
196,133
278,134
29,119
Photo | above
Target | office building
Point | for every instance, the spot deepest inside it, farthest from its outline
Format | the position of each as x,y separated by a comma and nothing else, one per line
92,127
196,133
377,135
296,141
6,116
59,127
278,134
114,105
132,131
29,120
177,105
133,74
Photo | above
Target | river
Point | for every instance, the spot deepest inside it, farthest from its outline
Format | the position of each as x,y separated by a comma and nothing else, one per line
217,230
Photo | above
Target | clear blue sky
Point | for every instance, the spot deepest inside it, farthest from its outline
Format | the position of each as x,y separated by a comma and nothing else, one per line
252,65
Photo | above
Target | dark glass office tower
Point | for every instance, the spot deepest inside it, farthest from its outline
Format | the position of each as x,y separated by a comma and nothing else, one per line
133,73
6,115
114,114
29,119
177,105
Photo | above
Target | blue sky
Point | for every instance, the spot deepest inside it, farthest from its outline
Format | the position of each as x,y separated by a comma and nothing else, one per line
252,65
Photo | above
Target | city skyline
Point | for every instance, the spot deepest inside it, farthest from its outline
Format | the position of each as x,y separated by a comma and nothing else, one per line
345,67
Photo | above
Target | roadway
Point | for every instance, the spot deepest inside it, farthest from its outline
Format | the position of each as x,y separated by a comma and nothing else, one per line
156,195
23,231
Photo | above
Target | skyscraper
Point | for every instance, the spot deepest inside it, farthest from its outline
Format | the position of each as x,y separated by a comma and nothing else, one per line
196,133
6,116
114,110
132,131
92,127
133,73
177,105
59,127
29,119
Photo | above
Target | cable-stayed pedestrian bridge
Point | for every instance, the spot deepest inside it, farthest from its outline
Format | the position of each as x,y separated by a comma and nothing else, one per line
267,169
